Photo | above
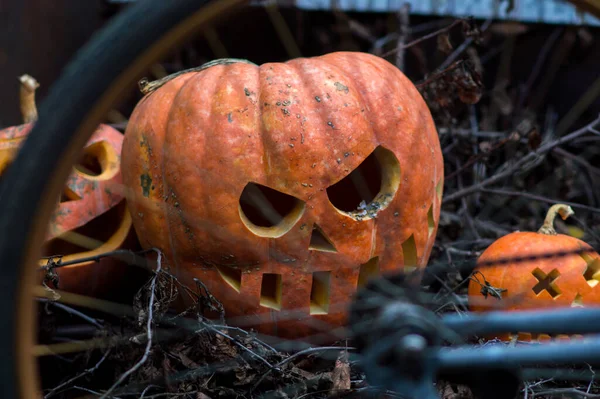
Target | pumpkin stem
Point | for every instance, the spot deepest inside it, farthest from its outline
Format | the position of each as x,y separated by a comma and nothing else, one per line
147,87
563,210
27,98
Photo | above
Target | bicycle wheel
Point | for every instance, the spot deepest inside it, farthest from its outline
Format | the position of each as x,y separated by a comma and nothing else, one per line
95,79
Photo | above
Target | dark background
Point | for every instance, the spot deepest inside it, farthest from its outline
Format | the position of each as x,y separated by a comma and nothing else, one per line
38,37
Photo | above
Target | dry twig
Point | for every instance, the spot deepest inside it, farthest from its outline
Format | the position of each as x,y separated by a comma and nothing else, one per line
149,322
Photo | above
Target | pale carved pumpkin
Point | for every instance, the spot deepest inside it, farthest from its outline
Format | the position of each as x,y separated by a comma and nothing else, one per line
541,283
283,187
91,217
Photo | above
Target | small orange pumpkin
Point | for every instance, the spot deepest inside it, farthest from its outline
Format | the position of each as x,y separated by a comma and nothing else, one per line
91,217
562,281
282,187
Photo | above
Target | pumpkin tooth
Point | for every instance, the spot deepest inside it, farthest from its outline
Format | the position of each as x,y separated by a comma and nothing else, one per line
430,222
439,189
270,291
320,293
233,277
578,301
409,250
368,270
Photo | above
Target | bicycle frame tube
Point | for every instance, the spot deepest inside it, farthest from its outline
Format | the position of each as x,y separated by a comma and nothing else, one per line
553,321
500,355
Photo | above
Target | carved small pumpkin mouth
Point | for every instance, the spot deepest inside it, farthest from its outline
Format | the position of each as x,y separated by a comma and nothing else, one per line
103,234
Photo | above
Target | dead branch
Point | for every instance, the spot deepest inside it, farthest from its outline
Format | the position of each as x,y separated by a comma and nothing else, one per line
424,38
403,33
538,198
460,49
78,376
149,322
72,311
295,355
521,163
567,391
240,345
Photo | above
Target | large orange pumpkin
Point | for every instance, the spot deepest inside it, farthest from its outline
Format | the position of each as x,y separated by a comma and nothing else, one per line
561,281
91,217
282,187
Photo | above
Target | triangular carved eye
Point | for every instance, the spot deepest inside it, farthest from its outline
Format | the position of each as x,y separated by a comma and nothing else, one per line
369,188
267,212
89,165
99,161
69,195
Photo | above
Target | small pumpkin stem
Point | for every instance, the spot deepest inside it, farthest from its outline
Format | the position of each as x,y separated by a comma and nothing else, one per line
27,98
147,87
548,227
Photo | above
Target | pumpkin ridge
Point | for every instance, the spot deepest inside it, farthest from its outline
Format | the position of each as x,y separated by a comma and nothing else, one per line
260,121
268,150
222,78
358,92
168,189
332,140
260,95
308,85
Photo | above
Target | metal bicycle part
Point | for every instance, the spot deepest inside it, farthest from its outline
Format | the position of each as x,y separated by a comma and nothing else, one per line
401,342
94,80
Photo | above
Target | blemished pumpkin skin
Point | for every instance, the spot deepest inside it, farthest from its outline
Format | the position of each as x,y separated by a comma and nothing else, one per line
91,218
298,127
574,277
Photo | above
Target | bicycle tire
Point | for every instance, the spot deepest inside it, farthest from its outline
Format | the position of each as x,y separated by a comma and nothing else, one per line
95,77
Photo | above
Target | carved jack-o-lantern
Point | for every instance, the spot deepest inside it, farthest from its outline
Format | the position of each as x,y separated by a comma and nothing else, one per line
282,187
539,283
91,217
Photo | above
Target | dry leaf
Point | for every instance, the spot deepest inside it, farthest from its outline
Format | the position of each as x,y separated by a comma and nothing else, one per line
341,374
443,43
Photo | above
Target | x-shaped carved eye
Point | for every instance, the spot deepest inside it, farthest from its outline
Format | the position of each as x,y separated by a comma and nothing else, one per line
546,282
